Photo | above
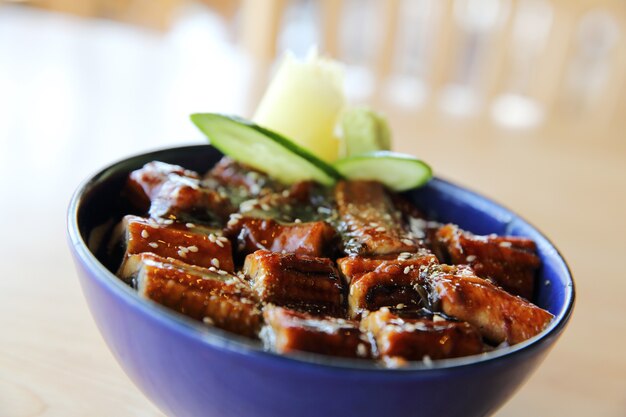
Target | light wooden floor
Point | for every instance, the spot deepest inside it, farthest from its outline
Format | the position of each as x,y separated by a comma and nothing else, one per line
76,97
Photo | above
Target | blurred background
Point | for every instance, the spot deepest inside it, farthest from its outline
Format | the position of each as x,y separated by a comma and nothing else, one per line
522,100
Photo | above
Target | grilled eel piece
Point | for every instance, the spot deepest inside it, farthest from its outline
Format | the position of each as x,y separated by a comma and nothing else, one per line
353,266
144,184
186,242
240,182
369,222
414,338
251,234
213,296
499,316
288,331
233,174
509,261
297,281
173,192
390,281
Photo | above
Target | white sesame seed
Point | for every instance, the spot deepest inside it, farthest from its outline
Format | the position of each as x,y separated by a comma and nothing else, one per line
219,243
506,244
168,221
213,269
427,361
407,270
182,254
437,318
374,224
404,256
407,241
248,205
153,245
215,262
145,234
400,306
361,350
265,207
193,248
208,320
190,225
471,258
222,272
212,238
297,221
222,239
380,229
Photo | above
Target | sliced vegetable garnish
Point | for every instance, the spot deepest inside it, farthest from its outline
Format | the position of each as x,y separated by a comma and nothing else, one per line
397,171
263,149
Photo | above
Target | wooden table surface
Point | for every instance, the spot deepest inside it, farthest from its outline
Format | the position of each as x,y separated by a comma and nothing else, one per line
75,97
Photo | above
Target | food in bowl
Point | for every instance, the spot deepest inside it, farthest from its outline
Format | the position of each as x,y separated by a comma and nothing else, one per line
351,269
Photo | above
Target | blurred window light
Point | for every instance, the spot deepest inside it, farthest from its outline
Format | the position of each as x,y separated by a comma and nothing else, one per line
590,66
360,31
478,15
407,84
517,111
478,22
516,107
300,27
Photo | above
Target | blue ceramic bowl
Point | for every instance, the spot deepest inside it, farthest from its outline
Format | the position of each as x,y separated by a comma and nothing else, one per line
188,369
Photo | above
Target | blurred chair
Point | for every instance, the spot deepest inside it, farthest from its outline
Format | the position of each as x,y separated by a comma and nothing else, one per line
517,64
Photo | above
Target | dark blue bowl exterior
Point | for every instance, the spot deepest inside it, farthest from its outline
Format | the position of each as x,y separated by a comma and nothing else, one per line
189,370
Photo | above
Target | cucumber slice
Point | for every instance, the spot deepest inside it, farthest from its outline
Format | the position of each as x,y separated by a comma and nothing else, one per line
398,171
364,131
263,149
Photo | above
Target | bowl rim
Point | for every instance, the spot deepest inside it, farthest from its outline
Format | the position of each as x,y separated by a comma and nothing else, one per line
221,339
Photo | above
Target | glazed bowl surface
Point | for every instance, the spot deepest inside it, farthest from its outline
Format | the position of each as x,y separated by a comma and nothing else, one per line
189,369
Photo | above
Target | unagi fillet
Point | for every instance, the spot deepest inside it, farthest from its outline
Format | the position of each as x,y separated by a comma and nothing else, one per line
215,297
353,266
311,238
296,281
369,222
399,287
417,338
186,242
499,316
289,331
509,261
144,184
233,174
171,191
185,199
